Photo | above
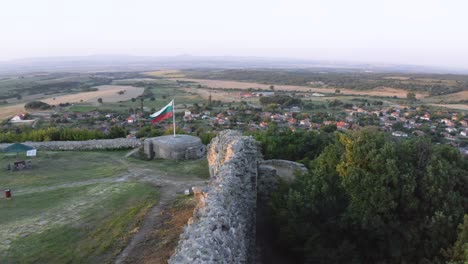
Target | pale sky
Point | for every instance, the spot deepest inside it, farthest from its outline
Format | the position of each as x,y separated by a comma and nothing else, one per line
426,32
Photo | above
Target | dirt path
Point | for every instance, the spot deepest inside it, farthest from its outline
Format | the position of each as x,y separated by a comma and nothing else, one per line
169,191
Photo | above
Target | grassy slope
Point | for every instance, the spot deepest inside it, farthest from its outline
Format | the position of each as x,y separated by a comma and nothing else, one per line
90,223
99,233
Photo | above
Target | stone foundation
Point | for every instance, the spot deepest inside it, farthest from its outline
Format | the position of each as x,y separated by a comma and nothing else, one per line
180,147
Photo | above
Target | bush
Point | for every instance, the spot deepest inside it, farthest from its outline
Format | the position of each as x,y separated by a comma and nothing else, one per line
37,105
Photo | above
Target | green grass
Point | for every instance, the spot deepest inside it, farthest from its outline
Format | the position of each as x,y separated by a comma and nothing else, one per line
50,223
100,233
61,167
83,108
189,169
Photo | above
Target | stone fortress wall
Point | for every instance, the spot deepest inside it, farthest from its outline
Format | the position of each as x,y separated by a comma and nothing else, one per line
223,226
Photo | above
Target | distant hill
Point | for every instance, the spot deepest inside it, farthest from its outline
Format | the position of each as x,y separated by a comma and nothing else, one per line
144,63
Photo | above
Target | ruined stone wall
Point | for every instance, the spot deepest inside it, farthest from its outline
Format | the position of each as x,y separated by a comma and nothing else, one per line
97,144
285,169
222,229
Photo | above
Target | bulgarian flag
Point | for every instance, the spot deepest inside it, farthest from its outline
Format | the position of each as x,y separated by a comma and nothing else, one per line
164,113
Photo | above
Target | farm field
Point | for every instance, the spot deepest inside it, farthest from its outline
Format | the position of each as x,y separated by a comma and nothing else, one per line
107,92
382,92
454,97
83,206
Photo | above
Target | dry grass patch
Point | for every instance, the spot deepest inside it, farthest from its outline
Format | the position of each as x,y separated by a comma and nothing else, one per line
166,73
164,239
454,97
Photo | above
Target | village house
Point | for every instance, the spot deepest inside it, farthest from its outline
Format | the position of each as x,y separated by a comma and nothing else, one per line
342,125
131,119
245,95
451,129
399,134
447,122
426,117
292,121
305,122
18,117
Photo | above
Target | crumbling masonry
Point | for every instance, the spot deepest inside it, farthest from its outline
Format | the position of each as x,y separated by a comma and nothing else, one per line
222,229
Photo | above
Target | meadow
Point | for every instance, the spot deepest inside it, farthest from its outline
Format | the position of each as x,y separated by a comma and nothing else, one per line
80,207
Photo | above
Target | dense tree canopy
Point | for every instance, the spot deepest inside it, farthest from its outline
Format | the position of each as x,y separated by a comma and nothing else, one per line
37,105
285,144
371,199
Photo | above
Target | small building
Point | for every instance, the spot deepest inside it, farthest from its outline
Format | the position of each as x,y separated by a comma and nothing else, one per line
399,134
131,119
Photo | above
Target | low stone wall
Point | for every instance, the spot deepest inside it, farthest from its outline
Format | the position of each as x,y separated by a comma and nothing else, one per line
97,144
286,169
222,229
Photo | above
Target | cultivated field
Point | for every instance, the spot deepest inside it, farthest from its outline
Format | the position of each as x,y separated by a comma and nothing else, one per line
381,92
85,206
453,106
454,97
108,93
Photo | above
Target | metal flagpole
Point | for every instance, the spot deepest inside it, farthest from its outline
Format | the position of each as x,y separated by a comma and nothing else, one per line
173,114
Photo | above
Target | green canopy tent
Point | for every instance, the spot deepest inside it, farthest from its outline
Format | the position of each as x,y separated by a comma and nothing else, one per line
18,147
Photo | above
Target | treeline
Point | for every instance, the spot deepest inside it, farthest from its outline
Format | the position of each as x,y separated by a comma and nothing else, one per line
434,84
282,100
59,134
370,198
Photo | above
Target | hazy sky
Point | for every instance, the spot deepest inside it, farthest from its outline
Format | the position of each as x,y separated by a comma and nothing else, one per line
428,32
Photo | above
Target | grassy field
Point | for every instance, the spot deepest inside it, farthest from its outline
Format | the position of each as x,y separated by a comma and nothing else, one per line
78,207
89,233
61,167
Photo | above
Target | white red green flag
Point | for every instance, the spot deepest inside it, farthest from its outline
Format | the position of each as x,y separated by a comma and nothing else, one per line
164,113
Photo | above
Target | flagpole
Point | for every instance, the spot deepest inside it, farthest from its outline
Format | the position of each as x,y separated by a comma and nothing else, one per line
173,114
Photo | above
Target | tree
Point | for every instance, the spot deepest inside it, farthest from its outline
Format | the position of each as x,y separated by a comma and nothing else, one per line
272,87
99,100
337,91
372,199
458,254
117,132
411,96
37,105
